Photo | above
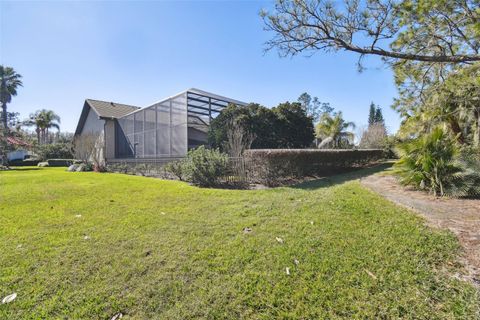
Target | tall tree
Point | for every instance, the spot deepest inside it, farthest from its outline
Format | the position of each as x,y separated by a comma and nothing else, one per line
9,83
379,116
334,128
285,126
313,106
416,30
371,114
43,120
295,128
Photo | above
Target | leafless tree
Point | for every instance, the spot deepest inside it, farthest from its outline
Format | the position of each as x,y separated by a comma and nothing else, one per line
89,148
373,137
239,139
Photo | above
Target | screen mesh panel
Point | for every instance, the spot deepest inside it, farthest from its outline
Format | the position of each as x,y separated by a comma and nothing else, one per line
168,128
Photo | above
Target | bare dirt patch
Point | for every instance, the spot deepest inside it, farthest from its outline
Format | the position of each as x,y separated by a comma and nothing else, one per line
461,216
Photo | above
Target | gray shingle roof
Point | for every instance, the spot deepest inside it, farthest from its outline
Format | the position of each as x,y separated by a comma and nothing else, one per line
106,109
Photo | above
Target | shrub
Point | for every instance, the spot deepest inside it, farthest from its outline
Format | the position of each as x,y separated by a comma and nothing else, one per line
202,167
121,167
269,165
435,163
60,162
26,162
177,168
54,151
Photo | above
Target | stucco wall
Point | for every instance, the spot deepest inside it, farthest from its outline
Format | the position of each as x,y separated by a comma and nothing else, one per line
110,139
96,126
92,123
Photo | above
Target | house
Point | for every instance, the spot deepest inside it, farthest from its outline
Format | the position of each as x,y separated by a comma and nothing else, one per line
165,129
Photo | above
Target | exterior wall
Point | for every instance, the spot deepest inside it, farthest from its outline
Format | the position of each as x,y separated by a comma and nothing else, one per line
158,131
110,139
94,125
17,155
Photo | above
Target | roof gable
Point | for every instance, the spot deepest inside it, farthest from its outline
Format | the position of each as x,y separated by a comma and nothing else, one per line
103,109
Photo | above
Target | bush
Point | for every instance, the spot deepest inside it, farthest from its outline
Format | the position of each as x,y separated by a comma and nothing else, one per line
202,167
177,168
60,162
268,165
26,162
435,163
54,151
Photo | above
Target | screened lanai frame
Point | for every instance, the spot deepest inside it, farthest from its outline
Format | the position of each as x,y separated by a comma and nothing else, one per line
163,129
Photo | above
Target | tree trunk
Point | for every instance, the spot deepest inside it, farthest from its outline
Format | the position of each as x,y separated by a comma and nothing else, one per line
4,144
38,135
4,118
456,129
477,137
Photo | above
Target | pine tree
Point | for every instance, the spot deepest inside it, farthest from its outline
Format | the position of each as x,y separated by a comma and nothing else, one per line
379,116
372,114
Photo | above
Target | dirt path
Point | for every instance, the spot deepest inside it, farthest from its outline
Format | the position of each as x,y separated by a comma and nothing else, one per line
462,217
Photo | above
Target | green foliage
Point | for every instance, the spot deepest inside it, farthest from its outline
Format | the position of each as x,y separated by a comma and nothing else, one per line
9,83
203,167
375,115
177,168
313,107
285,126
271,166
256,119
294,127
434,162
23,163
43,120
161,249
60,162
333,128
54,151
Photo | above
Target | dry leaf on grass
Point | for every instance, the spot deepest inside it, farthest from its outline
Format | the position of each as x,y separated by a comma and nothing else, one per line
371,274
279,240
247,230
117,316
9,298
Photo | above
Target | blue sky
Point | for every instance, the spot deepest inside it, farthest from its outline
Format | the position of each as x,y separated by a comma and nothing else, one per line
139,52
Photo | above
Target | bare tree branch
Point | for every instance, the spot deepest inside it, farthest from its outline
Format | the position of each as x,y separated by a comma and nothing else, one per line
385,28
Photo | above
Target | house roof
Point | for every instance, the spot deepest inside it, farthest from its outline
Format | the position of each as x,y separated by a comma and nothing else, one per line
104,109
18,142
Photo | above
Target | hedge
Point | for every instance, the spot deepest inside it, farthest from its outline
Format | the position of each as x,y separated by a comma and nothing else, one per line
272,164
21,163
60,162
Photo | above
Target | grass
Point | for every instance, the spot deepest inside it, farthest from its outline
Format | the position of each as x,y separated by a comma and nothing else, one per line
166,250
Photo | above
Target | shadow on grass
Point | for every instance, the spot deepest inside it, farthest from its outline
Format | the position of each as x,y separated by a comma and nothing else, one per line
24,168
343,177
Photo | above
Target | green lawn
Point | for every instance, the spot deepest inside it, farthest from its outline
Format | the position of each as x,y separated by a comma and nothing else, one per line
165,250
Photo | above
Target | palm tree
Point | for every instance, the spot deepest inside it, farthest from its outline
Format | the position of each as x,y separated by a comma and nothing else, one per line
9,82
51,120
43,120
332,128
